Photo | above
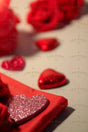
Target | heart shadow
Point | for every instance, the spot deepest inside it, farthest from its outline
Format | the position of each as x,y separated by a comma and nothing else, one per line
59,119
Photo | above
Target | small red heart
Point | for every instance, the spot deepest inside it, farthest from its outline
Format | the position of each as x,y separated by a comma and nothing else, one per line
16,64
22,108
50,78
47,44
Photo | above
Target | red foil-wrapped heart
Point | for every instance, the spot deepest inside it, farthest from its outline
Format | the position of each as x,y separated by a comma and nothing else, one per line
16,64
50,78
47,44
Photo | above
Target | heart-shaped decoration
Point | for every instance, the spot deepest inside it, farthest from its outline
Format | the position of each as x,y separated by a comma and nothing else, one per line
16,64
50,78
22,108
47,44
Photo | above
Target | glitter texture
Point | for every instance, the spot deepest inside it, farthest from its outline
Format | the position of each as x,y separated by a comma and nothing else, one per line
16,64
22,108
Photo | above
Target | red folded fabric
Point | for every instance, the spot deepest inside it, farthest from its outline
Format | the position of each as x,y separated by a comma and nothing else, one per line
38,123
3,113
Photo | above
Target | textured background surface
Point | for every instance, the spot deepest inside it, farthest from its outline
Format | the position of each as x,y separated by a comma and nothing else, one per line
70,58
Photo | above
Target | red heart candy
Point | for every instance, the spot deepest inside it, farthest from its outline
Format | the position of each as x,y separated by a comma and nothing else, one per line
16,64
47,44
50,79
22,108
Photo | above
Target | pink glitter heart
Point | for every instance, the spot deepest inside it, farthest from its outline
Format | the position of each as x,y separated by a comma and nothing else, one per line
22,108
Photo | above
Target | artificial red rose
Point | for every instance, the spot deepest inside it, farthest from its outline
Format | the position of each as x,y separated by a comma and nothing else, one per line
44,15
70,8
47,15
3,112
8,32
7,21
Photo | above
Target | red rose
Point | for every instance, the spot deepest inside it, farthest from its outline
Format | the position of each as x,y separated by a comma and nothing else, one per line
6,23
8,32
3,113
44,15
70,8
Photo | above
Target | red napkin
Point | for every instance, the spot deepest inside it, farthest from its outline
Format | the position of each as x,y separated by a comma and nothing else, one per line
38,123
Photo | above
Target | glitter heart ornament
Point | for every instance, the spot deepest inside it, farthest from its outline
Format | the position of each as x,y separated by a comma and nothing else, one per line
50,78
22,108
47,44
16,64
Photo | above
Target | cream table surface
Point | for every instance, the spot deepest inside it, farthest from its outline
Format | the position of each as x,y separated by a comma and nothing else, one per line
70,58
